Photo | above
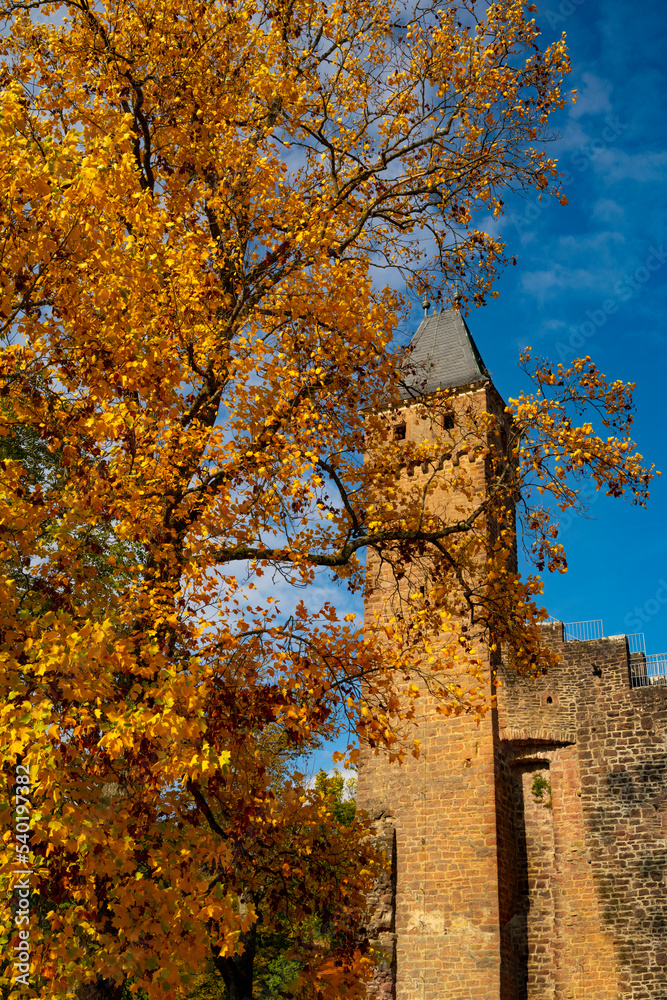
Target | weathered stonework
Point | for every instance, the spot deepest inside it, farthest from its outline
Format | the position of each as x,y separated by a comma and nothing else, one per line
529,852
445,933
382,911
602,857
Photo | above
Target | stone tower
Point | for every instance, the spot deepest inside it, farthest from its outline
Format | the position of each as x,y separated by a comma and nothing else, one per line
529,851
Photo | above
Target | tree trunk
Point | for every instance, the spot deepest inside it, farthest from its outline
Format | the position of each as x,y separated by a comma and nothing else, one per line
237,970
101,989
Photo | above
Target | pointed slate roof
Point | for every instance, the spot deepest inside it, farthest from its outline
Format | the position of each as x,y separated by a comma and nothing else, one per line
443,355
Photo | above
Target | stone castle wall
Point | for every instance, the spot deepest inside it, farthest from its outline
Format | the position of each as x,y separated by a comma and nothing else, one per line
602,746
444,924
529,851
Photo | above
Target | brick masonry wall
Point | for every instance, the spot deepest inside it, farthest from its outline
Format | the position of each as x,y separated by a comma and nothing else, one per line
443,810
445,939
382,910
606,748
529,853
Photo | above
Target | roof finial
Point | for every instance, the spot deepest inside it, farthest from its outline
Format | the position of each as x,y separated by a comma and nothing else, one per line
426,304
457,299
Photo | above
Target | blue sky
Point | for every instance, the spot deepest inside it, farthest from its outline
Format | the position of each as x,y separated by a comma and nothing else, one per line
592,279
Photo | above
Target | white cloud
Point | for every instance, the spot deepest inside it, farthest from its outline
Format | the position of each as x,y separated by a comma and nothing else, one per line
547,283
603,241
618,165
320,761
573,136
607,210
593,97
577,263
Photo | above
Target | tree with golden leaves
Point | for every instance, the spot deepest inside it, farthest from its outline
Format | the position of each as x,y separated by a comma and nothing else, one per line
197,201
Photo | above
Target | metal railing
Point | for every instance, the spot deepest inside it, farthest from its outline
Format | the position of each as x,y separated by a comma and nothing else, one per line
636,642
578,630
648,669
583,631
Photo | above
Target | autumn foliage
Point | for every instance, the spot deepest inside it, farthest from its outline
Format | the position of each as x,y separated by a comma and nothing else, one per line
197,202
